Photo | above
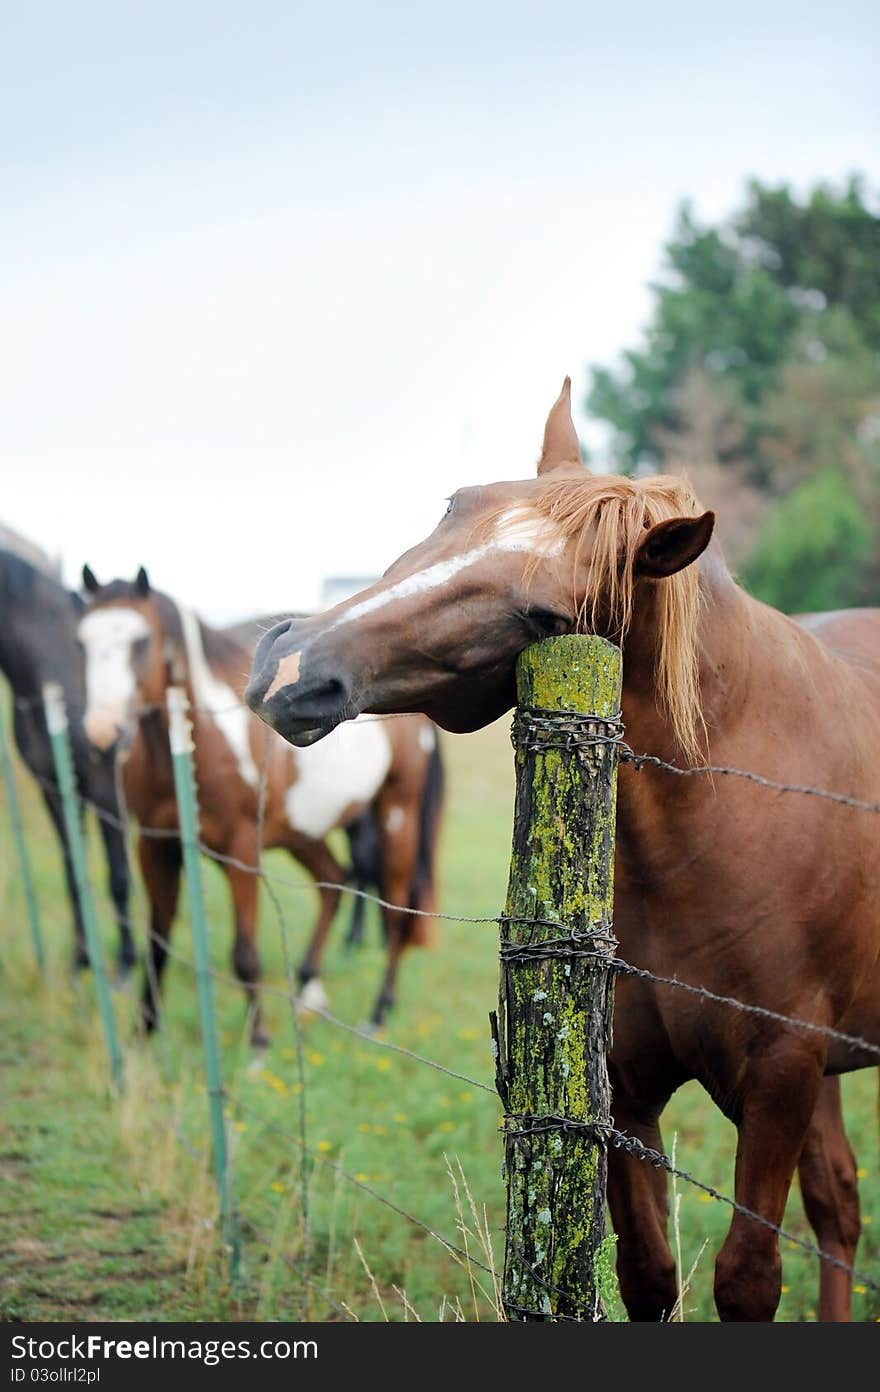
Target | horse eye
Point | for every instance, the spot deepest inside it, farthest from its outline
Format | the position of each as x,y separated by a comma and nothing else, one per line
547,621
451,505
140,645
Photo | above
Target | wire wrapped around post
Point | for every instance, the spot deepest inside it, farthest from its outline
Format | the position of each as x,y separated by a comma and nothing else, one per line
553,1027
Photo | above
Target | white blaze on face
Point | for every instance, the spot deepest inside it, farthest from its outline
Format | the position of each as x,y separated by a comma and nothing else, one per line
523,529
518,529
347,767
108,636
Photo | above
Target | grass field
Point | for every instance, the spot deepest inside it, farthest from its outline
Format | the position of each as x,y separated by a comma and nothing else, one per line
108,1210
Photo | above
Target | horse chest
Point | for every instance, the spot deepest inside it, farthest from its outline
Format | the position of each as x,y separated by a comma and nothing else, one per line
344,770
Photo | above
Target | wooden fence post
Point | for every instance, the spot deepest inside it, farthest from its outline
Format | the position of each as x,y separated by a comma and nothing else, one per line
180,731
59,738
556,998
27,878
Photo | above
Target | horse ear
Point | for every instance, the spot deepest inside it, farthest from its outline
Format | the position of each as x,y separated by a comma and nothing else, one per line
671,545
90,583
561,445
142,583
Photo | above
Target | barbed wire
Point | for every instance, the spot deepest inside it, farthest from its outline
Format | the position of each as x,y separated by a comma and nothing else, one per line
363,1185
269,1242
619,1140
628,755
616,964
853,1041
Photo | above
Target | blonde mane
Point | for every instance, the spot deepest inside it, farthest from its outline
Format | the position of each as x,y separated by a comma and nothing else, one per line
609,517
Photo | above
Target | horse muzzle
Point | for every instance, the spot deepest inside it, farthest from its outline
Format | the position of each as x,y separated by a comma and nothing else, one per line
305,717
104,728
302,706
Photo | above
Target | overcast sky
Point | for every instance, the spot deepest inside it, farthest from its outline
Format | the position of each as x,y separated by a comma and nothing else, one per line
275,282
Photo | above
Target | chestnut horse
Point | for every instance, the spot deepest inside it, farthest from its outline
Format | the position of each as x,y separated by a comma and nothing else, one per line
254,791
774,900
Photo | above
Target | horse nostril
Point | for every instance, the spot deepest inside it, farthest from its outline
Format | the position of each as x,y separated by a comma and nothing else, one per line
330,694
320,699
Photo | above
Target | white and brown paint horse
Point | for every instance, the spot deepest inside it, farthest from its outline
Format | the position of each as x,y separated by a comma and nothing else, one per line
137,643
774,900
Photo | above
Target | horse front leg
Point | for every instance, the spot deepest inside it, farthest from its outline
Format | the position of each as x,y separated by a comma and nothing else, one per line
52,800
244,886
324,868
778,1100
396,928
830,1192
399,840
160,863
119,885
639,1203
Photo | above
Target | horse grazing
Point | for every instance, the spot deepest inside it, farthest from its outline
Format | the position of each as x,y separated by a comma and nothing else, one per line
772,899
254,791
38,644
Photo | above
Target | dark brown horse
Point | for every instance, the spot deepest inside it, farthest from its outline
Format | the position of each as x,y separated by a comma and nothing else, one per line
254,791
771,899
38,619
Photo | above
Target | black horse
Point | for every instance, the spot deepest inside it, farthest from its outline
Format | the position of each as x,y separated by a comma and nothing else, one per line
38,643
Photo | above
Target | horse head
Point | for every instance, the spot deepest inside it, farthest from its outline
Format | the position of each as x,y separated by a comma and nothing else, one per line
508,564
128,655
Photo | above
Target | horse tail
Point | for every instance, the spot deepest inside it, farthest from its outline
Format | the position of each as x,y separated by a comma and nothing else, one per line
421,930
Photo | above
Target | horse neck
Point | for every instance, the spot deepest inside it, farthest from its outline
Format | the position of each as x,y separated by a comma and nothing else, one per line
182,653
37,640
728,645
194,670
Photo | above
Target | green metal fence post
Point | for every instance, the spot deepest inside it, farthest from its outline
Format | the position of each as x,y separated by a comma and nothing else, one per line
180,731
59,738
554,1020
27,878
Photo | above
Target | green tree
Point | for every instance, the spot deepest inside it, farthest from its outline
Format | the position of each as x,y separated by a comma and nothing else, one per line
759,375
733,303
814,550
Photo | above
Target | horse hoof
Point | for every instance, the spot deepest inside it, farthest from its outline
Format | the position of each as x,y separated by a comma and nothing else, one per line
313,999
370,1029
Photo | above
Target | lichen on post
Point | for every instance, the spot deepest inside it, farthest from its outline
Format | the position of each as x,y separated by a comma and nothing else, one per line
553,1027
